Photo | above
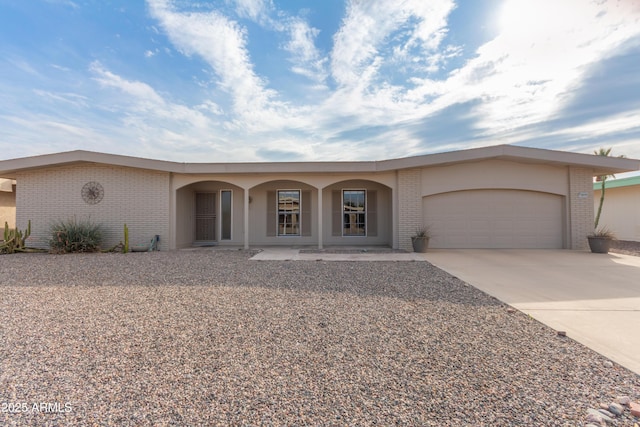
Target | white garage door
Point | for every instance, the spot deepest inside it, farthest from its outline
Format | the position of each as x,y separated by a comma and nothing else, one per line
495,219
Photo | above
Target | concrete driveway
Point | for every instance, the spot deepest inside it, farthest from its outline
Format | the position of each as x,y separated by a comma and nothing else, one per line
594,298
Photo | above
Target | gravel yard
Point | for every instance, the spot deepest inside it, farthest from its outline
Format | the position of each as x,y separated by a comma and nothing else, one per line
207,337
626,247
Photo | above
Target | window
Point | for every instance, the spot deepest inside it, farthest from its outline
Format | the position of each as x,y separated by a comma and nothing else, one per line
354,213
225,211
288,212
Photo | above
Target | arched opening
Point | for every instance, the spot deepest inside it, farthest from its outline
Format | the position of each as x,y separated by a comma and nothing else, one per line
209,213
283,212
357,213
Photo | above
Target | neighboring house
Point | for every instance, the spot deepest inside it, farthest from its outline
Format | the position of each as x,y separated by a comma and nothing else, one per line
7,203
621,209
493,197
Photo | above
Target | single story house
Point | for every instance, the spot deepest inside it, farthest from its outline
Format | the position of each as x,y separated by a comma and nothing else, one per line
621,209
7,202
493,197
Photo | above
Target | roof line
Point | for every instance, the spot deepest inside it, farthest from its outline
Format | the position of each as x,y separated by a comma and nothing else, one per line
599,164
618,182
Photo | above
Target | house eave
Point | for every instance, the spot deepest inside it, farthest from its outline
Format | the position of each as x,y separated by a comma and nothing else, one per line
599,165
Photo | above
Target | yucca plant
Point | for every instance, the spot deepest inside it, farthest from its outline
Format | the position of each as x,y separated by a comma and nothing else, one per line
75,236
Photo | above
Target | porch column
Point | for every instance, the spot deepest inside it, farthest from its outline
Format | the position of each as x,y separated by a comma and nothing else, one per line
320,219
410,204
246,218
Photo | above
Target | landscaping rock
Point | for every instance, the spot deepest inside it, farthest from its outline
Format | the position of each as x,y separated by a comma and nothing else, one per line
623,400
607,414
616,409
595,417
208,337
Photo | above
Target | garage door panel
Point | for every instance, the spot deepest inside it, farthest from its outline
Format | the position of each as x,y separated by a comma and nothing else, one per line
495,219
478,224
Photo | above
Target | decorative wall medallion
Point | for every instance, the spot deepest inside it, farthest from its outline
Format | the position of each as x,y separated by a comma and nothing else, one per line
92,192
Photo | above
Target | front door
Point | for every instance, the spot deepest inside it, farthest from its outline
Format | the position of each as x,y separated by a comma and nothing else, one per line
205,217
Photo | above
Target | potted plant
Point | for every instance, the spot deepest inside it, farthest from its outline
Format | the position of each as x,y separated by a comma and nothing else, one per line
600,240
420,240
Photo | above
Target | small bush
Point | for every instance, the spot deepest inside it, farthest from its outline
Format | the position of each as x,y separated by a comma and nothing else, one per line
75,236
603,232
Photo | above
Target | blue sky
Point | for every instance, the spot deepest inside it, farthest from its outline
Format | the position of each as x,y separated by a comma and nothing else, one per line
269,80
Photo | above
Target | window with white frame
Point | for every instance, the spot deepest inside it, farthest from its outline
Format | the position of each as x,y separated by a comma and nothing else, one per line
288,212
354,213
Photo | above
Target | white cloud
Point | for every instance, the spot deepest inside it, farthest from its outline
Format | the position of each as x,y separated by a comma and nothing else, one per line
381,49
222,44
362,96
60,67
368,26
307,59
256,10
74,99
388,79
47,134
140,91
69,3
210,107
528,73
147,113
623,122
23,65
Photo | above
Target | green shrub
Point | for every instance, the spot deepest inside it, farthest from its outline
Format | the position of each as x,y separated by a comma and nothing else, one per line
75,236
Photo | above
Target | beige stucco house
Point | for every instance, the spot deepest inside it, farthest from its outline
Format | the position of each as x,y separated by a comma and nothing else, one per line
621,208
7,202
493,197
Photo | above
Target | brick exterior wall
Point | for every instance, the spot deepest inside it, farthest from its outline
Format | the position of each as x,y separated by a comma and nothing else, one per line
581,216
139,198
410,216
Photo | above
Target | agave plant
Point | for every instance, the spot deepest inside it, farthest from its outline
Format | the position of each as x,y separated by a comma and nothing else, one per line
422,232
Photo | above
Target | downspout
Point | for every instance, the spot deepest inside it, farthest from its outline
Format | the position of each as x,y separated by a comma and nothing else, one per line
246,218
173,216
320,219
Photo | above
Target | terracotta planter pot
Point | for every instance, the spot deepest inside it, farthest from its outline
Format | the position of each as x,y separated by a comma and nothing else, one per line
420,244
599,245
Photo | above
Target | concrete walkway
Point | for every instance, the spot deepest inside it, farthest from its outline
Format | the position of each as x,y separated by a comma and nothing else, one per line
594,298
292,254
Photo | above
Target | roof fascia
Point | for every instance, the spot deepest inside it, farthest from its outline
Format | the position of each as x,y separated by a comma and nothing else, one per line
620,182
280,167
600,165
8,168
12,166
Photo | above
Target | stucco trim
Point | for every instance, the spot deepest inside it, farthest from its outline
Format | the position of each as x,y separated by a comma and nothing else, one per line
599,164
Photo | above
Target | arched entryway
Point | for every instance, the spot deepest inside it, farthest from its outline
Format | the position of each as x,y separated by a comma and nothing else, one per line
209,213
283,212
357,213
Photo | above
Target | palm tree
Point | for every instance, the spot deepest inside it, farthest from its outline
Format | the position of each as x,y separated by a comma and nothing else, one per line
603,179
